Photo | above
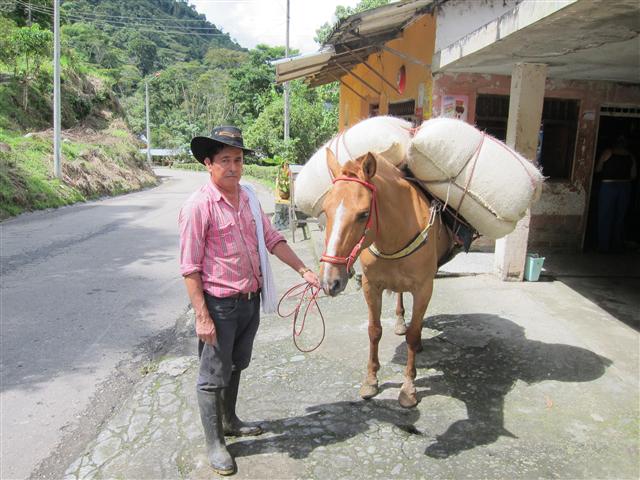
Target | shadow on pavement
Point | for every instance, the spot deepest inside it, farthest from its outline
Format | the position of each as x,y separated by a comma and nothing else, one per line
96,295
327,424
618,296
611,281
477,359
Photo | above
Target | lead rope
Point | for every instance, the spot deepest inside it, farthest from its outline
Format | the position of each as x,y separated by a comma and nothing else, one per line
306,293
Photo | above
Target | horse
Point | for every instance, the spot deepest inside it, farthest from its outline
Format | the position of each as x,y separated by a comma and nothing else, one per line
373,211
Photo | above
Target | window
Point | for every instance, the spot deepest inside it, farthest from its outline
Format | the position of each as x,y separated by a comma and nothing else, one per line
558,133
492,112
405,110
402,109
559,128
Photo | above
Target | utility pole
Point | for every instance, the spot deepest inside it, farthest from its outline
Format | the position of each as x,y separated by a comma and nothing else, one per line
146,112
29,14
286,84
57,166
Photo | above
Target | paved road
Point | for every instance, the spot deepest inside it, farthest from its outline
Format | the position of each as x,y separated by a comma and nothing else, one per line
82,288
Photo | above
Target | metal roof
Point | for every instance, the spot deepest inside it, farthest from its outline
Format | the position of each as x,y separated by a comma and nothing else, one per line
351,41
164,152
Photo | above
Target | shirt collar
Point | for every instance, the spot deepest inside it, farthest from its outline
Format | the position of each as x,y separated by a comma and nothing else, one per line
217,195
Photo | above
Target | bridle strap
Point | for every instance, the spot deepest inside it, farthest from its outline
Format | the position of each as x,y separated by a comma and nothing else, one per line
373,210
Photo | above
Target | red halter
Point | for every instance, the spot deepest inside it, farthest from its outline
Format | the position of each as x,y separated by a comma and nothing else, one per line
350,260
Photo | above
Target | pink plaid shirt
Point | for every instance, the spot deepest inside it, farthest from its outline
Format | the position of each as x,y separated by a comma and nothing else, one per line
221,243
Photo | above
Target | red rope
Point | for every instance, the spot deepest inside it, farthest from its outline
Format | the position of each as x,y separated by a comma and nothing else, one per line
305,293
373,210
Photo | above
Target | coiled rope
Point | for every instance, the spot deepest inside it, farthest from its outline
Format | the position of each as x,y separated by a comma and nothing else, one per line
301,294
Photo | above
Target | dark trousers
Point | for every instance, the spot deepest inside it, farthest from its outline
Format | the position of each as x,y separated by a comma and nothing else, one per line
612,208
236,323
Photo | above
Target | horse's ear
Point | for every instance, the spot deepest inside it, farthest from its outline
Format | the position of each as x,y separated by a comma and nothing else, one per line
332,163
369,166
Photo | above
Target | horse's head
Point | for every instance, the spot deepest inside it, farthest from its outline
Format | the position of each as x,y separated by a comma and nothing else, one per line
350,208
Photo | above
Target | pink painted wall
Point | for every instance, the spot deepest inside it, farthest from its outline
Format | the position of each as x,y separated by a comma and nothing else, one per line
559,218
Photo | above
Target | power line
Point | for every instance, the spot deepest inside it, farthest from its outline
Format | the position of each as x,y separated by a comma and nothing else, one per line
45,9
144,27
90,17
121,23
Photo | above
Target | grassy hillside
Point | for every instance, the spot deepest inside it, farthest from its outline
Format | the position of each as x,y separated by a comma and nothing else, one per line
95,163
111,50
100,154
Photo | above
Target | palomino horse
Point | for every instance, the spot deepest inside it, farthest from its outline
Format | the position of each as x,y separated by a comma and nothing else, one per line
374,212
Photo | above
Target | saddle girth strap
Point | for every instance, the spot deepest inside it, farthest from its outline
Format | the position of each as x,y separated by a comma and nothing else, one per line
415,244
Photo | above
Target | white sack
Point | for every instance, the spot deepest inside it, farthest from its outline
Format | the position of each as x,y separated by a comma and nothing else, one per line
501,185
388,136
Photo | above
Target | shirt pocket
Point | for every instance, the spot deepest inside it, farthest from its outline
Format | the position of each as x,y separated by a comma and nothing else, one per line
227,239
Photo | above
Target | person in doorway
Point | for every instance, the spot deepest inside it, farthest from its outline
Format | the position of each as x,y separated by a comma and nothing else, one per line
224,239
617,168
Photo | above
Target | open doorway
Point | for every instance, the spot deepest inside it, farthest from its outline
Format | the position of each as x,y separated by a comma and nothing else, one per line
615,121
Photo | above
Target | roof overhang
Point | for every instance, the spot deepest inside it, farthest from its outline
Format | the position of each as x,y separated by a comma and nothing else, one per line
577,39
351,41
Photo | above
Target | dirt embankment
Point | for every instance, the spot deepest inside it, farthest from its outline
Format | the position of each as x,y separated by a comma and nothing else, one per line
95,163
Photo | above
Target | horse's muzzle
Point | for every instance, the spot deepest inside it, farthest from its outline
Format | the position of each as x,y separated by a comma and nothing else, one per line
333,278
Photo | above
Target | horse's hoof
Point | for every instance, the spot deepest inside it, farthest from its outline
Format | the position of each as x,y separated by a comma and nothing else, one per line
400,329
368,391
407,399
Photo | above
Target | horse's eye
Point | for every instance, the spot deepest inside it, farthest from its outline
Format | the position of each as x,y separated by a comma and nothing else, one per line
362,216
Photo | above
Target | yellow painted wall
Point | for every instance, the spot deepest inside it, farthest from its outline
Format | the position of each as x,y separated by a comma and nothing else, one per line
418,41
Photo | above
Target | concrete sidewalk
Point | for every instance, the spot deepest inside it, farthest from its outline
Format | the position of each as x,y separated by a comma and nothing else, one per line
516,380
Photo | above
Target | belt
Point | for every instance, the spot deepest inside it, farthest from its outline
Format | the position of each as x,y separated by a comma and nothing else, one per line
245,296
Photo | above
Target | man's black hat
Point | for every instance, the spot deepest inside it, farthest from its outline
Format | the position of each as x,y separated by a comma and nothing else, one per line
226,135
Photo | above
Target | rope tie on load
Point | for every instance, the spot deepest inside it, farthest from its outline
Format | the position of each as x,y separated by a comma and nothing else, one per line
474,156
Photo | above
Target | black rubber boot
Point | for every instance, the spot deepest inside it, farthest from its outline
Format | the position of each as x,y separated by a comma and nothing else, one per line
233,426
210,404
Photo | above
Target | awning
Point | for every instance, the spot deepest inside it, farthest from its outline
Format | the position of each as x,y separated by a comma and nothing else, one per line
352,41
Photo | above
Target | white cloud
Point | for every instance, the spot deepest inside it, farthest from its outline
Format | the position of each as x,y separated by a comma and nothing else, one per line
251,22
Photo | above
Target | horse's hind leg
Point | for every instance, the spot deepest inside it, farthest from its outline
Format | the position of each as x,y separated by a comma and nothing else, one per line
400,328
408,397
373,297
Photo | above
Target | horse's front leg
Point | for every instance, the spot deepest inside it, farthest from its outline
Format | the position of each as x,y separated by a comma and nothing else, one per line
400,328
408,396
373,297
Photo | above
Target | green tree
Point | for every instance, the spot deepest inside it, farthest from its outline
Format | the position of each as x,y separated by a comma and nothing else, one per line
341,12
143,52
93,45
29,47
7,51
224,58
252,83
313,121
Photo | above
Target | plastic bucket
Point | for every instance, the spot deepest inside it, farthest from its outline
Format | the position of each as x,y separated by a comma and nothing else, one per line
533,267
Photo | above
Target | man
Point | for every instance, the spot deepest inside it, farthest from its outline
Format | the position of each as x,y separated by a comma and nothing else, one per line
224,272
617,168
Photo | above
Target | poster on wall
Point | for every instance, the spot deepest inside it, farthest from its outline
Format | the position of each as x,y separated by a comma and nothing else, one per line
419,105
455,106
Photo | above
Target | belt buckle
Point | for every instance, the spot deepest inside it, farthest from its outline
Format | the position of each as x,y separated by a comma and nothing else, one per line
251,295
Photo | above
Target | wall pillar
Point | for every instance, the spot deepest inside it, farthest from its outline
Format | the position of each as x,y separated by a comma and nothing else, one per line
525,116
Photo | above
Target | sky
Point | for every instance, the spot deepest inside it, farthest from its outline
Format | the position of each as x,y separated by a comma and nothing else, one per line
250,22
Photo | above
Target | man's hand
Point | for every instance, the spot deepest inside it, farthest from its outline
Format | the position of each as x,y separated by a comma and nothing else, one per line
310,277
205,329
